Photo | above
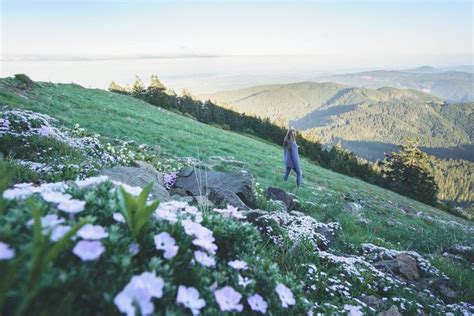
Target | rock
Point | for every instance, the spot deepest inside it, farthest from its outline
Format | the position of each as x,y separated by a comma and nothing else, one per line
296,213
203,201
390,265
392,311
408,267
187,199
278,194
466,252
403,265
186,172
221,197
352,207
144,165
220,187
373,301
327,233
278,206
253,215
136,176
443,287
178,191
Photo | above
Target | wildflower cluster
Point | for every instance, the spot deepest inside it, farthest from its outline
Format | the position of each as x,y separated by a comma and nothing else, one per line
281,225
183,256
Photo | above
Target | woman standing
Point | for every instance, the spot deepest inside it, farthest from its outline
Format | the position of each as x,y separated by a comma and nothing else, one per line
291,157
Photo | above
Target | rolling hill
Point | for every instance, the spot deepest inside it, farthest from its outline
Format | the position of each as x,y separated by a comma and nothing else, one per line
371,122
333,111
455,85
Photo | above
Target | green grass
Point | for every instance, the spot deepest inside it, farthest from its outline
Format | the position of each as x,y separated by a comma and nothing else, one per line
118,116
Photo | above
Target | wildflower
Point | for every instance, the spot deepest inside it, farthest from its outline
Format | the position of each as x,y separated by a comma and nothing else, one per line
206,244
166,214
134,248
238,264
231,211
228,299
195,229
285,295
6,253
353,310
204,259
139,292
58,232
257,303
71,206
88,250
170,251
48,221
17,193
243,281
135,191
54,197
92,232
118,217
189,297
162,240
92,181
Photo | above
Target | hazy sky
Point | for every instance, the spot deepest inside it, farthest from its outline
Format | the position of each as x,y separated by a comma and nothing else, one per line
237,28
250,41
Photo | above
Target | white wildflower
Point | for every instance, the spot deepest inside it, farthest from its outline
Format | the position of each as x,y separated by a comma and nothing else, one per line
71,206
285,295
58,232
92,232
238,264
55,197
243,281
228,299
139,292
118,217
6,253
257,303
204,259
189,297
88,250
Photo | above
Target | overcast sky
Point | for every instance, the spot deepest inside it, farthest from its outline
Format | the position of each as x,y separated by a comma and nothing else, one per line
356,28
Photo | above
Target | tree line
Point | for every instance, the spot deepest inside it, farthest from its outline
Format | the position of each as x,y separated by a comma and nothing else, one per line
406,172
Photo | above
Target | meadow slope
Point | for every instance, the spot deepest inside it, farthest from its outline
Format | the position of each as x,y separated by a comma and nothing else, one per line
386,218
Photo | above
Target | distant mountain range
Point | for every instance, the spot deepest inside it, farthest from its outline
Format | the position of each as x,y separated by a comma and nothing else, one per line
454,84
367,120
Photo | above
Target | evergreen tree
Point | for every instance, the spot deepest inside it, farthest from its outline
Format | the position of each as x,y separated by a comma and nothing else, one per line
114,87
138,89
409,173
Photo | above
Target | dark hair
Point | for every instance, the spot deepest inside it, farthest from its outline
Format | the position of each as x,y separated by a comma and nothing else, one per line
289,138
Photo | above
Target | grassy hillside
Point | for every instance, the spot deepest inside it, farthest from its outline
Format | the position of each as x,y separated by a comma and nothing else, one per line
370,123
385,218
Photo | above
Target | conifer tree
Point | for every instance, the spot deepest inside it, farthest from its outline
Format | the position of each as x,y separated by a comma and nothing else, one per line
114,87
138,89
409,173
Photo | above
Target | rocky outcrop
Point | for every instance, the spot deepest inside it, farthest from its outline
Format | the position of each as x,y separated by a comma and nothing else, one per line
221,188
278,194
408,267
392,311
139,176
460,252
